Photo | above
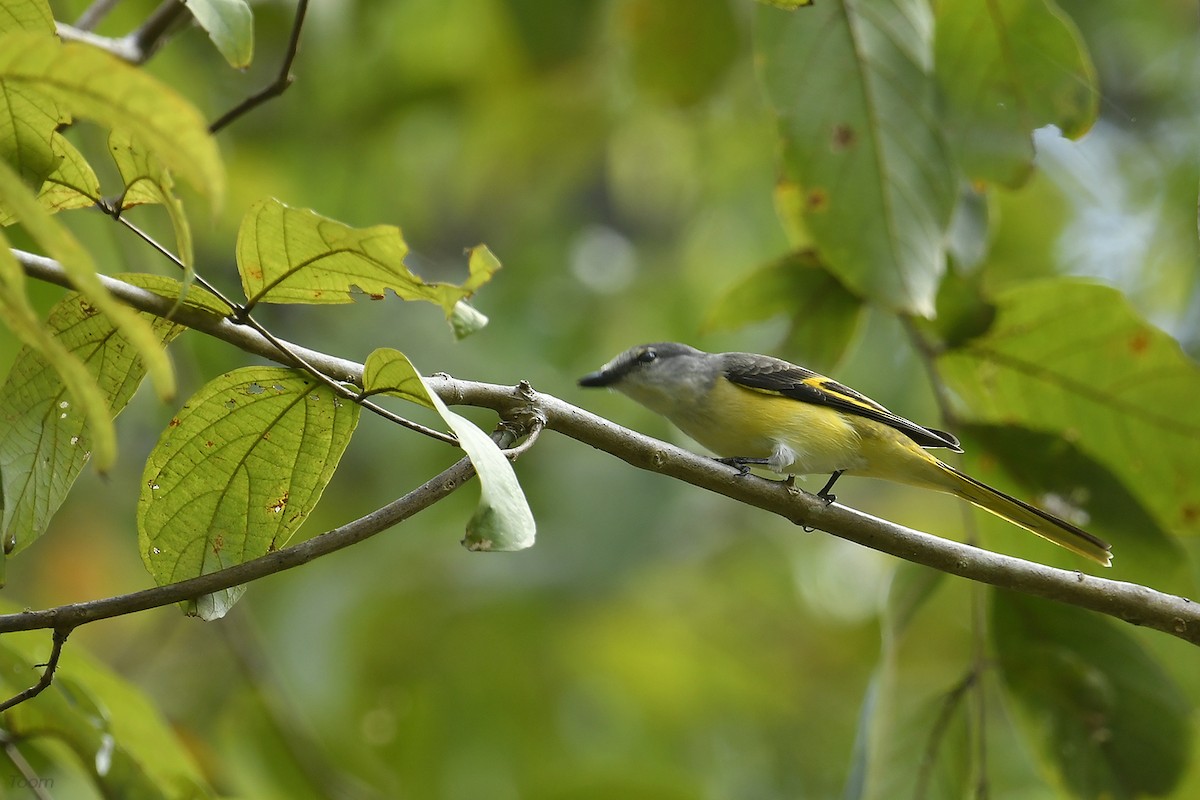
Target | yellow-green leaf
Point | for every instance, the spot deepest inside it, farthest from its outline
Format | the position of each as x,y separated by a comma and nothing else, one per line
87,82
236,472
78,264
291,255
45,443
86,399
26,15
230,25
148,181
503,520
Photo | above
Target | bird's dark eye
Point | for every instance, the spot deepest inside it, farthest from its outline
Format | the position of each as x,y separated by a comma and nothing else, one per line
647,355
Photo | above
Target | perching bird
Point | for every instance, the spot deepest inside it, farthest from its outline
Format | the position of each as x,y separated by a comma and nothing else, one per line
754,409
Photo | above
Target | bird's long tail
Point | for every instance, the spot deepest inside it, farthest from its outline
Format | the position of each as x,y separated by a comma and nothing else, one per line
1021,513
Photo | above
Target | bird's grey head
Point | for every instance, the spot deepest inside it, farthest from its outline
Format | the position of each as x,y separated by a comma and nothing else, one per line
660,376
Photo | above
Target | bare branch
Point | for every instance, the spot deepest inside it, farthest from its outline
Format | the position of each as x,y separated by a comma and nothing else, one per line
76,614
139,46
61,632
282,80
1133,603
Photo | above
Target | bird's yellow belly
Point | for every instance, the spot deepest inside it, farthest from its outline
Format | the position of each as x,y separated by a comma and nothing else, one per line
738,422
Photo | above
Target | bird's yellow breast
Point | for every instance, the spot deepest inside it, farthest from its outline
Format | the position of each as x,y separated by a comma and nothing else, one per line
734,421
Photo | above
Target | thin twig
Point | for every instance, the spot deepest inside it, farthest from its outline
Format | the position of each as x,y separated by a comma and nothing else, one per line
239,316
61,632
1133,603
93,14
282,80
34,782
76,614
937,732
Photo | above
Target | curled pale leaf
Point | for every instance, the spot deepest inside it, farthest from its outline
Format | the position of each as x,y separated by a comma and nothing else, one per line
236,472
503,520
230,25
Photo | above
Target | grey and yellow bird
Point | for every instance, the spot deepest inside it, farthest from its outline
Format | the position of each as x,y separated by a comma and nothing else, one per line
757,410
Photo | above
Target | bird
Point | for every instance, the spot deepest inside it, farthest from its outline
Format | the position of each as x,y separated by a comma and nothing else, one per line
758,410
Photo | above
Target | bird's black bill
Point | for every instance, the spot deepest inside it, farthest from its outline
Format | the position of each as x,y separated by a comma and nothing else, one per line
598,378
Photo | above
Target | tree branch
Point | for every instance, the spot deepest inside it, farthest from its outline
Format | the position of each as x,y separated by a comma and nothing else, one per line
1133,603
137,47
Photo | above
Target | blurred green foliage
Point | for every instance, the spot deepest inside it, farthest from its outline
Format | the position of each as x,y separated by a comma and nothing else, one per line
619,158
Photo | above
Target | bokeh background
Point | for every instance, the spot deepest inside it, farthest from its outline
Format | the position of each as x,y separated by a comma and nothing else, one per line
658,642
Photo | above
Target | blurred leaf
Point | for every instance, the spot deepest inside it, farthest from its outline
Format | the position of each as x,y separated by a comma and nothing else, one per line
230,25
824,315
1073,359
680,48
236,472
119,737
851,87
146,180
289,255
911,586
43,447
1069,483
963,310
1003,70
787,4
502,521
88,82
26,15
77,262
1109,716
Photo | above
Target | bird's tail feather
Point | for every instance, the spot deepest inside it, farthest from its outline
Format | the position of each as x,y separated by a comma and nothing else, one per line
1028,517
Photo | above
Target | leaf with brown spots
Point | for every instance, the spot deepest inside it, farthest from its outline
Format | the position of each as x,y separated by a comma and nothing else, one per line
1058,358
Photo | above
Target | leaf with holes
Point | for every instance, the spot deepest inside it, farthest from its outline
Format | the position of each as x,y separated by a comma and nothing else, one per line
236,472
502,521
852,88
46,440
291,255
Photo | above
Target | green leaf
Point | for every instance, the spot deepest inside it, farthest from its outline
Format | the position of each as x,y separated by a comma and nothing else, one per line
1074,360
236,472
148,181
119,737
679,50
78,264
1107,714
48,76
230,25
26,15
824,316
851,86
1059,477
290,255
86,396
1003,70
44,444
503,520
787,4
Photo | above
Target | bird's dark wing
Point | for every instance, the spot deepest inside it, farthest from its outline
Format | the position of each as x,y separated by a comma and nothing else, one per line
775,376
